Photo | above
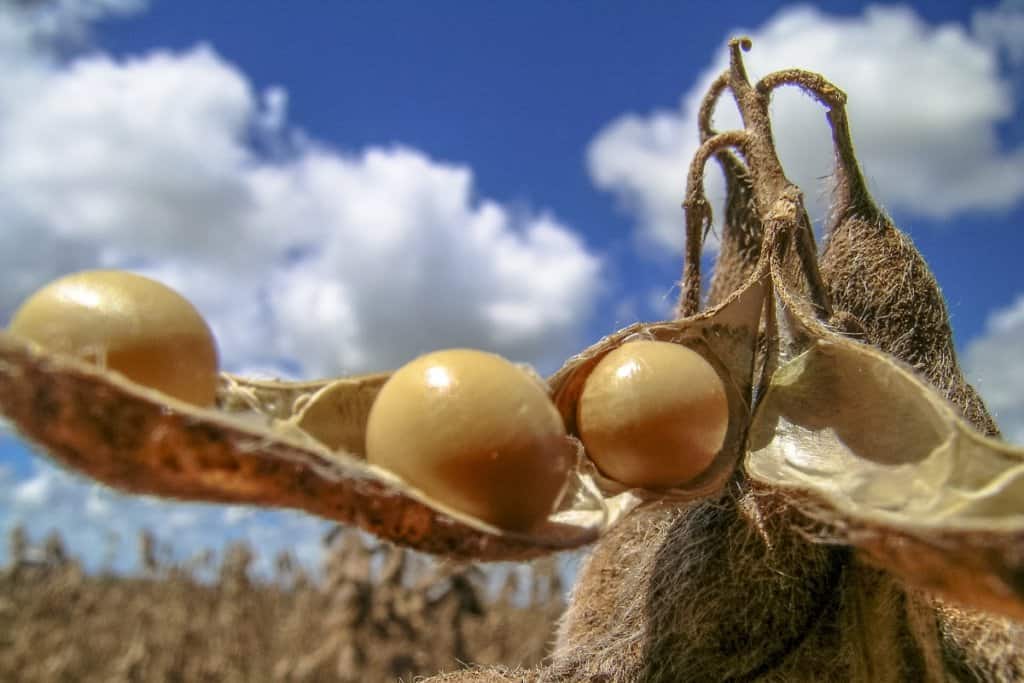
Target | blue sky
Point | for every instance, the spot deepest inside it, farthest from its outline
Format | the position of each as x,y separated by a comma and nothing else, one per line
519,91
340,186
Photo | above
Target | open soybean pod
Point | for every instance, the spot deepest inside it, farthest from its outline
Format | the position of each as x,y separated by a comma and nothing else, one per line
302,444
876,458
725,336
260,445
681,436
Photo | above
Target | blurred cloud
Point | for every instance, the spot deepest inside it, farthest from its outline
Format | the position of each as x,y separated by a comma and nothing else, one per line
64,21
306,259
994,363
1003,27
924,105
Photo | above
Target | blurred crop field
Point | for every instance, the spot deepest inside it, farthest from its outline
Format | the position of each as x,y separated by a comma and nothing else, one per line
373,613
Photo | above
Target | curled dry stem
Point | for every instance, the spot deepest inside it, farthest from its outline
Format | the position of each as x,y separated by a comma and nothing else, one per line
851,188
851,181
707,105
698,215
770,182
815,85
737,70
807,252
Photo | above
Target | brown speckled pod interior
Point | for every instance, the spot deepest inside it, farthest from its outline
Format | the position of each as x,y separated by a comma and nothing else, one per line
266,444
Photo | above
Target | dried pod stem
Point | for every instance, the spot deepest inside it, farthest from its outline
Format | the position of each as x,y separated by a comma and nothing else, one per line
698,217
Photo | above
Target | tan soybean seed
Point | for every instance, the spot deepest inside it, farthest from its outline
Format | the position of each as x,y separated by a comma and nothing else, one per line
476,433
127,323
653,414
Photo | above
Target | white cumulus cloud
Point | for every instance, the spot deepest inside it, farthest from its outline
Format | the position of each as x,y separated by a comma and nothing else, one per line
305,258
924,105
60,21
994,362
1003,26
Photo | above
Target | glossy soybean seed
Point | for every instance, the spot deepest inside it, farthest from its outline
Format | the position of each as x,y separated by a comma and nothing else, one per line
474,432
653,414
126,323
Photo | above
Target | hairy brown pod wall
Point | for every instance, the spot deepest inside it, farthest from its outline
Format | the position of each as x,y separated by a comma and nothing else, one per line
874,273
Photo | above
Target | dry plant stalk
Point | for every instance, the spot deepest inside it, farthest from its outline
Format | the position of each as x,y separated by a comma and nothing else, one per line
415,617
860,523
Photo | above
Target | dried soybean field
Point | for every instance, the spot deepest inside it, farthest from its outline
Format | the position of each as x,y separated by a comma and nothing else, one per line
370,614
